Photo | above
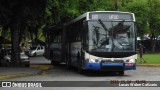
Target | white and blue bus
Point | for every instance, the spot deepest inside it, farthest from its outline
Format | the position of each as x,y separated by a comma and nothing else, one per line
98,40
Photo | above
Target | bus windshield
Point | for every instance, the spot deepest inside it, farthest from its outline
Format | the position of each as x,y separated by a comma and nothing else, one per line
115,36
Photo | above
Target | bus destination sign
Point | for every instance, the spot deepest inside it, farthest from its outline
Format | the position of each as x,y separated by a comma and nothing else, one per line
111,16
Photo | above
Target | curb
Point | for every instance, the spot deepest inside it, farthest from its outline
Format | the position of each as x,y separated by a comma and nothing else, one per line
3,77
149,65
42,67
43,71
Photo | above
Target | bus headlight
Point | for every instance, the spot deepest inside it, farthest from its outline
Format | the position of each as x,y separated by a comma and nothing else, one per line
91,60
130,61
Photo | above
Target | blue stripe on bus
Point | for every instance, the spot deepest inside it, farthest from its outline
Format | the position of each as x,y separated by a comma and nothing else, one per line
92,66
97,66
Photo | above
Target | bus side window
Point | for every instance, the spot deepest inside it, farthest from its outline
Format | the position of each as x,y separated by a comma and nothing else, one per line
84,34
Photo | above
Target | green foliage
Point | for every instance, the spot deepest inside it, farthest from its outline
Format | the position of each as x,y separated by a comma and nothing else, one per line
101,5
140,9
40,34
52,12
154,15
38,14
147,12
70,10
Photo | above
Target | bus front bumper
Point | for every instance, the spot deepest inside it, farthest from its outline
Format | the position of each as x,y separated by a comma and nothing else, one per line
110,66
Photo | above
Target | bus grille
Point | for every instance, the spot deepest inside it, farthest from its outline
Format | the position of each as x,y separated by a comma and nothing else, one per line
109,61
112,68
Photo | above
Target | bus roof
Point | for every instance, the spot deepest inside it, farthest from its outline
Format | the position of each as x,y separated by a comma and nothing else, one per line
85,16
59,26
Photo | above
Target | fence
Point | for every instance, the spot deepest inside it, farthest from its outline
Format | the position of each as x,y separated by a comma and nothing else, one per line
148,46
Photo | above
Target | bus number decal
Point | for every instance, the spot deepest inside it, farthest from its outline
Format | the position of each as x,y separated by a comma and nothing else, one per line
113,17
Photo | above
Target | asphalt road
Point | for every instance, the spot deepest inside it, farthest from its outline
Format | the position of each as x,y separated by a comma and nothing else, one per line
39,60
60,73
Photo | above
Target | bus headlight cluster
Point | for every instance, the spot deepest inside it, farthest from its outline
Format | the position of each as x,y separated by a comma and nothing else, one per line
130,61
91,60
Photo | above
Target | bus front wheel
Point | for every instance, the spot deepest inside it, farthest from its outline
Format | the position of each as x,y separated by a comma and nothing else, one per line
80,70
55,62
121,72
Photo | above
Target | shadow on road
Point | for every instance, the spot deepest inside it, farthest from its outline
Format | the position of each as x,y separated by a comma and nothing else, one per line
89,73
42,61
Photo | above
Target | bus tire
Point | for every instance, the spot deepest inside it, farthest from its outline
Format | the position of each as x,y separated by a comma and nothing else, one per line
67,64
80,70
55,62
7,64
52,62
121,73
27,65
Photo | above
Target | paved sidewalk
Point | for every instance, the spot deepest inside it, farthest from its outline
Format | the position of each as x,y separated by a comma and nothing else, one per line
149,65
16,72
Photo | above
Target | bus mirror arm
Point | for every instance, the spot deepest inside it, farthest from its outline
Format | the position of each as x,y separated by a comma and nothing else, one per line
105,28
100,21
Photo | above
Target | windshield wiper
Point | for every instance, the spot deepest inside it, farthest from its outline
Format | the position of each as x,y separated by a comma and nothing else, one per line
96,30
105,28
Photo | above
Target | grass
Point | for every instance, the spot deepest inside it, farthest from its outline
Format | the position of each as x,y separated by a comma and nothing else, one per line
3,77
151,58
42,67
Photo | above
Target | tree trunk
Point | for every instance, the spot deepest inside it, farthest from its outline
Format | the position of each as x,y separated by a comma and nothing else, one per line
36,36
153,41
115,4
152,30
15,56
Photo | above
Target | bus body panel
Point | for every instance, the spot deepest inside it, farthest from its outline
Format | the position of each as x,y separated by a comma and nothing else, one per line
110,64
81,39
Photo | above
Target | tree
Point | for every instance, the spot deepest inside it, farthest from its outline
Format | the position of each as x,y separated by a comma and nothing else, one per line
16,13
140,9
154,18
